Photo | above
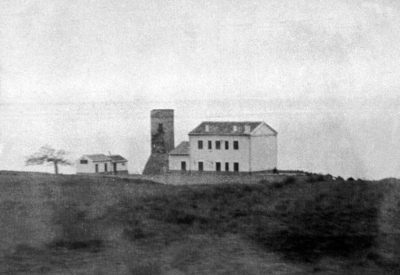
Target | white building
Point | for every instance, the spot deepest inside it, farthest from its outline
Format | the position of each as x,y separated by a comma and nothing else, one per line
227,146
100,163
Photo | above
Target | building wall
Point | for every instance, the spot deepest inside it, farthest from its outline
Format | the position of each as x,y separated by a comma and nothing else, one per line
264,151
210,157
122,167
84,168
102,168
175,162
90,167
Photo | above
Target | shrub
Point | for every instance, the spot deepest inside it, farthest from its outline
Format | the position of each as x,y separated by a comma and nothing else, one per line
275,171
315,178
290,180
277,184
339,222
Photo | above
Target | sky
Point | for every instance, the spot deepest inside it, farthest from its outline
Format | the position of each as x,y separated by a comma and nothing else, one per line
84,75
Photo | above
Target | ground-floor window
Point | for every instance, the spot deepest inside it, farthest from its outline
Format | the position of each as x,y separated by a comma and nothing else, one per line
218,166
96,167
183,165
201,166
226,166
105,167
236,166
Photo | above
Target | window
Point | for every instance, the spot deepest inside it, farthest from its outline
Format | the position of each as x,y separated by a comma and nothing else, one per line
200,144
183,165
201,166
84,161
226,145
96,168
236,166
210,144
218,166
105,167
236,145
217,144
226,166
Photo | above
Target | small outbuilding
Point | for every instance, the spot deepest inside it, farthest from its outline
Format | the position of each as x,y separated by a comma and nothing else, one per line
101,164
179,157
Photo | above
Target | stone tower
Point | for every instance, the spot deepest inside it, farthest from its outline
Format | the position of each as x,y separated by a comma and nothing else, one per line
162,141
162,131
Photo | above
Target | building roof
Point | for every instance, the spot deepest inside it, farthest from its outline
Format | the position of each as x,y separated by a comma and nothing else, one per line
228,128
118,158
98,157
181,149
103,158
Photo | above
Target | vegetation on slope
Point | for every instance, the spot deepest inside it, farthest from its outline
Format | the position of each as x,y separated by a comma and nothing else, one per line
323,218
304,220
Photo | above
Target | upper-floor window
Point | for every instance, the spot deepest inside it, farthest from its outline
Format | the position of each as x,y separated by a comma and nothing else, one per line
217,144
226,145
83,161
236,145
200,144
210,144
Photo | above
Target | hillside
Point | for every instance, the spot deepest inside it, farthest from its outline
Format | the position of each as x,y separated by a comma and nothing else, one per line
102,225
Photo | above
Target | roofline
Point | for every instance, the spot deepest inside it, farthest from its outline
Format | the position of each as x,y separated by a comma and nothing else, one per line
226,134
88,156
223,134
181,154
263,123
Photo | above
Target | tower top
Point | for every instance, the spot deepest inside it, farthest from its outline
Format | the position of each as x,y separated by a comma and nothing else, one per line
162,113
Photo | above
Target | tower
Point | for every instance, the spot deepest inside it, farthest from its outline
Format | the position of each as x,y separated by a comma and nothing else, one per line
162,130
162,140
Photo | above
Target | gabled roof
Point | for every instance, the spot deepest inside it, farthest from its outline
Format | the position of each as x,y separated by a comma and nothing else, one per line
118,158
227,128
98,157
181,150
103,158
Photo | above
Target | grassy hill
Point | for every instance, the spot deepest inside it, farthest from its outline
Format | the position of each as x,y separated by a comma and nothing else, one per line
101,225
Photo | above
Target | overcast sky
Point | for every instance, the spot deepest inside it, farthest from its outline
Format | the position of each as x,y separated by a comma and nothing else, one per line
326,74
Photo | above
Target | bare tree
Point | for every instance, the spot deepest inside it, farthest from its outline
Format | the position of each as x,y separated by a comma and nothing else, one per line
47,154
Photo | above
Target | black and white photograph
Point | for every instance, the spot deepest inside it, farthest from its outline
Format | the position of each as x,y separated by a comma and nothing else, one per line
174,137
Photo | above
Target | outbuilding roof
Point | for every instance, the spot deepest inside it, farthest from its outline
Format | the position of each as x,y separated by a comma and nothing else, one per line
229,128
98,157
118,158
181,150
104,158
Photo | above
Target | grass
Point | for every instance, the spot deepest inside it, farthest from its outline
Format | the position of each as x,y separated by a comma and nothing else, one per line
151,228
